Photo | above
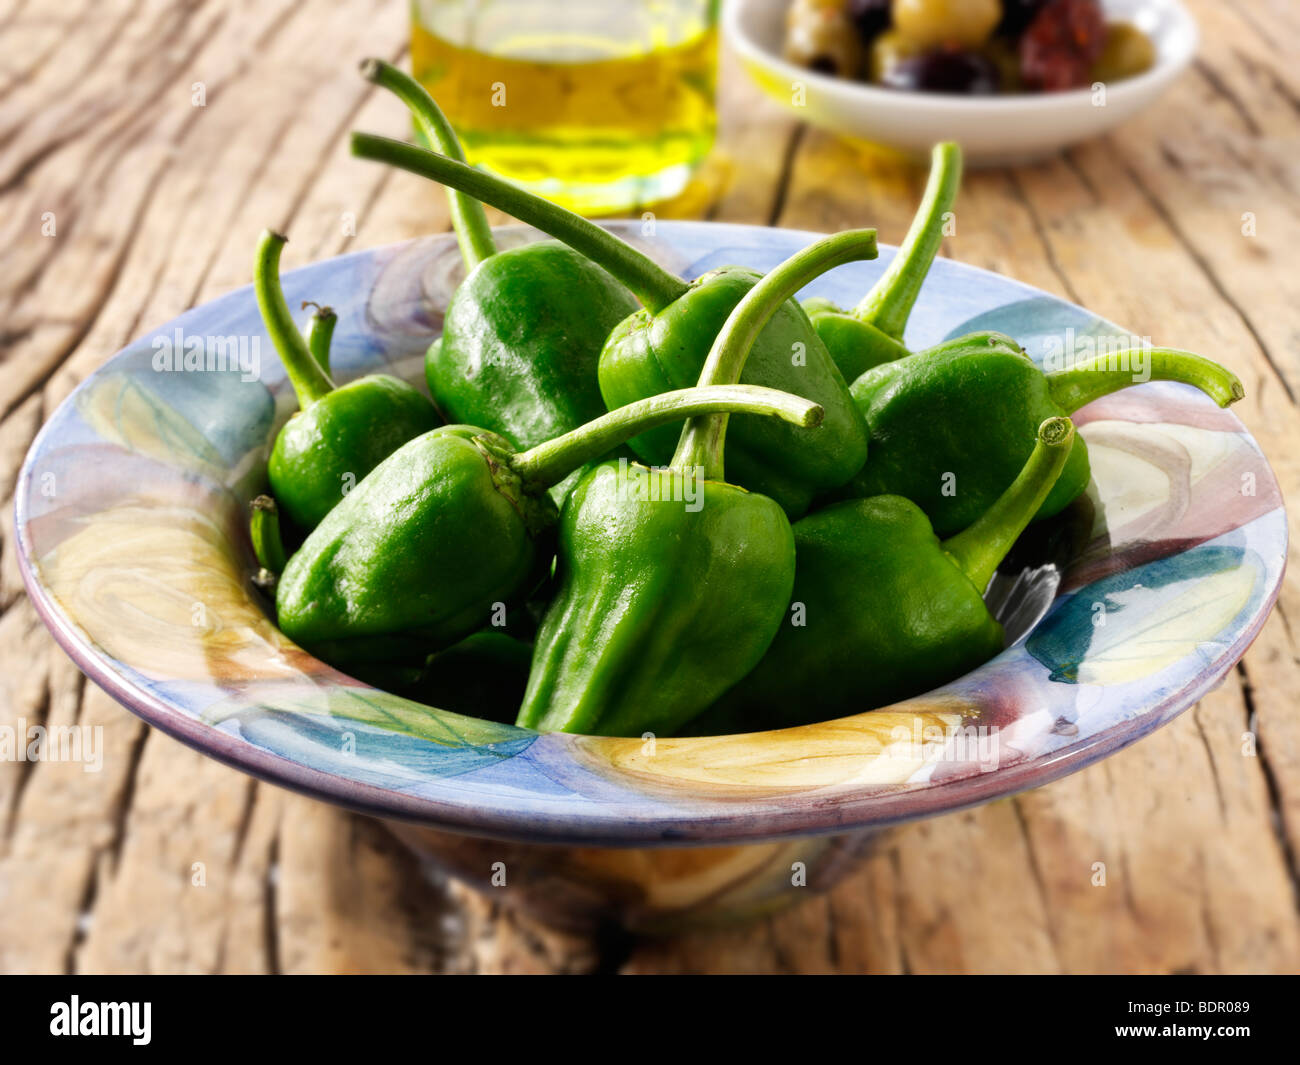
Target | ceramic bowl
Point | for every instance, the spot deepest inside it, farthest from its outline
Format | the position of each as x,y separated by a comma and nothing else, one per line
993,130
131,510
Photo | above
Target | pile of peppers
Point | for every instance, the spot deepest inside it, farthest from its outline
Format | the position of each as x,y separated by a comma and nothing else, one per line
633,504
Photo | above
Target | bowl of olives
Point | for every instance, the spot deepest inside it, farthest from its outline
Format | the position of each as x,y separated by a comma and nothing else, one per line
1012,80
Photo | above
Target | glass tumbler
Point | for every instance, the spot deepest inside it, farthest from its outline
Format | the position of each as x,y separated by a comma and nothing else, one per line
600,105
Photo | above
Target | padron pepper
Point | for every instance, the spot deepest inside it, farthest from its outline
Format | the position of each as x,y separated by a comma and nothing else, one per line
881,608
268,547
454,522
523,332
663,346
672,582
320,333
951,427
872,332
339,434
484,675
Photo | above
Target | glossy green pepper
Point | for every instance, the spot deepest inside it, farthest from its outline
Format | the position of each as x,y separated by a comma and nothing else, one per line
663,346
320,333
523,332
454,523
881,608
950,428
338,434
872,332
268,547
652,352
671,581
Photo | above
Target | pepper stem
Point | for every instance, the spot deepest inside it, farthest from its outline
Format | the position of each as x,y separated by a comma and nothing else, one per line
264,530
654,286
978,549
702,439
1103,374
890,301
309,380
468,218
320,332
549,463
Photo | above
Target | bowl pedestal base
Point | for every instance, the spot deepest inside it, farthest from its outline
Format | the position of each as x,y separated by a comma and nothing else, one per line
651,891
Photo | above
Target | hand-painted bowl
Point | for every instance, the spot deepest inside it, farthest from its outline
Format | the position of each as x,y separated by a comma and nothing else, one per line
1001,129
131,513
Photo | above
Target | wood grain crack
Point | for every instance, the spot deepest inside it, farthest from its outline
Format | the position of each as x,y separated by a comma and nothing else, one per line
125,799
1040,883
1210,274
1209,756
896,865
340,130
1040,231
1234,101
41,712
792,144
270,909
1277,815
20,77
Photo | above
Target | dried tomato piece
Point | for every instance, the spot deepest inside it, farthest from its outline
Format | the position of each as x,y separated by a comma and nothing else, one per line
1061,43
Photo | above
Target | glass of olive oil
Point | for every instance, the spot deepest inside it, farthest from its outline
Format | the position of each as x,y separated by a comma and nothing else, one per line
600,105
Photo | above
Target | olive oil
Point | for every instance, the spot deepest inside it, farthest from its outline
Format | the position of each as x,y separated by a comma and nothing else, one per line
597,106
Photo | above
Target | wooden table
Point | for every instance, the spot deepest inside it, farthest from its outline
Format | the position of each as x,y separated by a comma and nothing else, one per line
122,203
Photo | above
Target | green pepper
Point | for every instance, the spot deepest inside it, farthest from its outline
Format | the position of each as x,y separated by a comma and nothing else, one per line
268,548
652,352
881,608
872,332
522,334
338,435
484,675
320,333
949,428
455,522
663,345
672,582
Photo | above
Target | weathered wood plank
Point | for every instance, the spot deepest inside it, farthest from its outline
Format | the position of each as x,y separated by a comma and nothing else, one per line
202,846
67,823
156,203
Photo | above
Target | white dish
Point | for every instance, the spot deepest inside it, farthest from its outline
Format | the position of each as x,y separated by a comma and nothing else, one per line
991,129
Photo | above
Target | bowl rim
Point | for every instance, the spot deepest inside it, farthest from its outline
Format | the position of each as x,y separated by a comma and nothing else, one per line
1168,64
611,828
713,821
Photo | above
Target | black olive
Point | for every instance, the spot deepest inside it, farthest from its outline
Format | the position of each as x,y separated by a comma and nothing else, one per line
944,70
869,17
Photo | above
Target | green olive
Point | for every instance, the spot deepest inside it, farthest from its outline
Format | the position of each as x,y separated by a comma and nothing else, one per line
1128,51
931,23
820,36
1002,53
887,51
